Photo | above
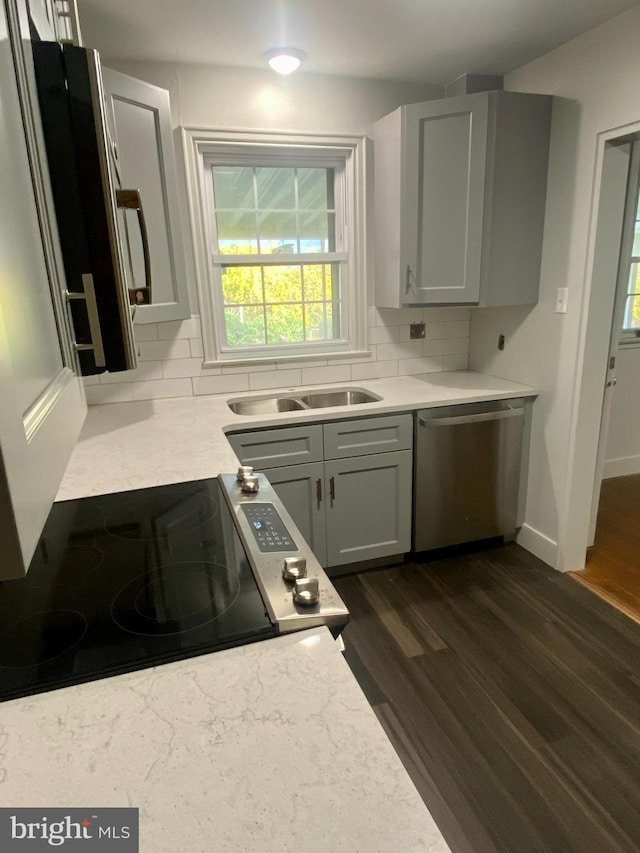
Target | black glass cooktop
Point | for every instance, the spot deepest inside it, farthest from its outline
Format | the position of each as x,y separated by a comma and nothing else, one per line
125,581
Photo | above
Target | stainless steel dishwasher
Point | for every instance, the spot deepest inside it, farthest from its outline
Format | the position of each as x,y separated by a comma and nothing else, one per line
467,472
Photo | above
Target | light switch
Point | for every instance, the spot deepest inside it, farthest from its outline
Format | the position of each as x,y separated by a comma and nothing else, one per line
561,300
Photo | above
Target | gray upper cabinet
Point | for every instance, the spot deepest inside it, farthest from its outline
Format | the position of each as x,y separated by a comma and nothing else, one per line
139,119
460,189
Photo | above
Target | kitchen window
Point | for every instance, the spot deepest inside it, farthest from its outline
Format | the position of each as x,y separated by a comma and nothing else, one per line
281,262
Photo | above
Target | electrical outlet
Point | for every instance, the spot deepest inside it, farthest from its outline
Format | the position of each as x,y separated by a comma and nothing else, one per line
416,331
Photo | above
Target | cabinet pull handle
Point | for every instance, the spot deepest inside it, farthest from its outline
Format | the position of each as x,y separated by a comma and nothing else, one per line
319,492
408,279
130,200
332,489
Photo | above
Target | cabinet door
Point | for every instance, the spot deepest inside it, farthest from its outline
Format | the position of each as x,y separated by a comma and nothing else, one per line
368,507
43,403
139,119
271,448
445,152
365,436
301,490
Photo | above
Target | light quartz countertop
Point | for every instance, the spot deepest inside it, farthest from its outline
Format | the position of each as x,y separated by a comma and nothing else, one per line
266,747
133,445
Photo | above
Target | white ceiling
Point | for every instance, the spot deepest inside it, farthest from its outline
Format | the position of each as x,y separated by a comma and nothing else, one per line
422,40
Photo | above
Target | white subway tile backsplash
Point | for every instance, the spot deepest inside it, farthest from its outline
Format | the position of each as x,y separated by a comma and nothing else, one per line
260,367
97,394
197,350
220,384
274,379
406,349
409,366
447,330
399,316
445,347
171,356
321,375
374,370
177,368
145,331
161,388
458,361
302,363
180,329
144,370
385,334
161,350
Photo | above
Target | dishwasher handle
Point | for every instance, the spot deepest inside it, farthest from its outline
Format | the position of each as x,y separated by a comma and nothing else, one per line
471,419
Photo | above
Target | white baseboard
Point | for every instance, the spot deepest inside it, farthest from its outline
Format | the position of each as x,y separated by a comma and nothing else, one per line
621,467
539,544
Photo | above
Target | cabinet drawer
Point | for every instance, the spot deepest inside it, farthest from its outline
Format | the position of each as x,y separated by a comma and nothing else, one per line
270,448
368,435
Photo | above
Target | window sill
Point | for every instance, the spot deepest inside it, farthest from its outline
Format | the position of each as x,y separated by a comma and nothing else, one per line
346,355
629,343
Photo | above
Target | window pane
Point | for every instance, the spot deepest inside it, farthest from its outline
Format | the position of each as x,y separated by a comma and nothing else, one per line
632,313
237,233
233,187
634,279
275,188
636,241
316,322
245,325
314,285
312,188
282,284
284,324
278,233
242,285
317,232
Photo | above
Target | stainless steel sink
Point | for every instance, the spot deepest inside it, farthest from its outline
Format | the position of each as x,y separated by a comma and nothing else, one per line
322,399
265,406
313,400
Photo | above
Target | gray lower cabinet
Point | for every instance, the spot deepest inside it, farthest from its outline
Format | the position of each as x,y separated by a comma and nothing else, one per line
301,490
369,507
348,509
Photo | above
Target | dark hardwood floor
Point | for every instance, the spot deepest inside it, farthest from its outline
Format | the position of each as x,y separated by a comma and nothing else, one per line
511,694
613,564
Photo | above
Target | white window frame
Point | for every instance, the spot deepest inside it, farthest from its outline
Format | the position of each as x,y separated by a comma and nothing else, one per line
628,337
349,156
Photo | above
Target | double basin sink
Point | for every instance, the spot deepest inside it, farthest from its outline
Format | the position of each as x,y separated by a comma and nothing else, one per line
297,402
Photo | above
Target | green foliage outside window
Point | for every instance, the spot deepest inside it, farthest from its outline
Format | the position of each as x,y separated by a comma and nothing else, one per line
279,304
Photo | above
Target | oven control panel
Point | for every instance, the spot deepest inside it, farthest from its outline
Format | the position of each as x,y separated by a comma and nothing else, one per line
295,589
268,528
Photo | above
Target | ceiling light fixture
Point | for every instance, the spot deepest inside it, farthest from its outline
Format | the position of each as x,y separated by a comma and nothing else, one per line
284,60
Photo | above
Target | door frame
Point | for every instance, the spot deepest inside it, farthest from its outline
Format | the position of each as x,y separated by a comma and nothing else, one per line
588,415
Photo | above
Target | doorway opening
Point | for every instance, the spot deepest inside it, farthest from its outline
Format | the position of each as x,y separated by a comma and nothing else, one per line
612,568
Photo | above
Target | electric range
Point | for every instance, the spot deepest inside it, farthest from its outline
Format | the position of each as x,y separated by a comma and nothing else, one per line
130,580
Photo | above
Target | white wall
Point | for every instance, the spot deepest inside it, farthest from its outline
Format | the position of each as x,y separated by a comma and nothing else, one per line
623,439
241,98
595,80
